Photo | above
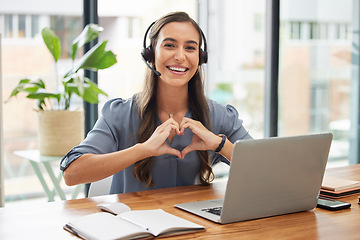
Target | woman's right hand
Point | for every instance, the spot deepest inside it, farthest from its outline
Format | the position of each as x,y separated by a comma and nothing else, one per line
157,145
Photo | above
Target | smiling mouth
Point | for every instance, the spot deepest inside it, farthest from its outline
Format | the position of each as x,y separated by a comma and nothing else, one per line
178,69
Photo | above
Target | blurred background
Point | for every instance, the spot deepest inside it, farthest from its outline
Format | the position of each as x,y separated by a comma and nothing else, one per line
318,57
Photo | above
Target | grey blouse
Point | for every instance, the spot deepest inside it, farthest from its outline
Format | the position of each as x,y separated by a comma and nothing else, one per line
116,129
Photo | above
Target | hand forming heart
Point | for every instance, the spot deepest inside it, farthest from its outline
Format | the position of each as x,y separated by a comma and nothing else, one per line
202,139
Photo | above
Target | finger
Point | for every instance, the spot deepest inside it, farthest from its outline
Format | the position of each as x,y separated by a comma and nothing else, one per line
167,127
186,151
171,121
185,122
173,151
171,127
163,134
190,125
159,137
167,122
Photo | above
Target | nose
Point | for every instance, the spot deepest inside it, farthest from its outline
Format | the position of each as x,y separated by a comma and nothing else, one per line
180,55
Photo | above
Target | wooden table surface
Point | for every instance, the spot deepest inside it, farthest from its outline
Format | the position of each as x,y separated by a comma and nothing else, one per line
45,220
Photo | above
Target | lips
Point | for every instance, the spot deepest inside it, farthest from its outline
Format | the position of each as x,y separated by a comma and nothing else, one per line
178,69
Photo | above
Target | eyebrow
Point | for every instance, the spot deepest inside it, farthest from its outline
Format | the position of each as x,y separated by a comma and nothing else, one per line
174,40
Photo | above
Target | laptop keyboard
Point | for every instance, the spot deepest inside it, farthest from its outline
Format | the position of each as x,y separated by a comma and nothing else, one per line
215,210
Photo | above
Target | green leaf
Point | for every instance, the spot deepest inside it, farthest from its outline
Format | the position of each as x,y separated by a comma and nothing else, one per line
94,87
90,32
96,58
24,81
39,83
80,85
90,93
28,86
72,84
52,42
40,104
31,89
90,96
42,95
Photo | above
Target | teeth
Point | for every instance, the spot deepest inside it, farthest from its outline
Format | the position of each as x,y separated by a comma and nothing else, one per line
177,69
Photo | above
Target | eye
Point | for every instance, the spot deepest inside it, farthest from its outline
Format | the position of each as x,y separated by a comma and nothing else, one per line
191,48
168,45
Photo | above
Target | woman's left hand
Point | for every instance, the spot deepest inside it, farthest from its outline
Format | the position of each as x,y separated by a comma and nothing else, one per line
203,139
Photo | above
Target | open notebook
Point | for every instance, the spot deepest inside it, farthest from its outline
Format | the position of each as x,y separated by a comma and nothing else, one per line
128,224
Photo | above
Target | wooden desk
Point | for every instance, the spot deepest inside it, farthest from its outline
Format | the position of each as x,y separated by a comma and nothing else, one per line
45,221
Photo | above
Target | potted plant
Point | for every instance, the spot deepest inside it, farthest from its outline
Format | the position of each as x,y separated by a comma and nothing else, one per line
60,126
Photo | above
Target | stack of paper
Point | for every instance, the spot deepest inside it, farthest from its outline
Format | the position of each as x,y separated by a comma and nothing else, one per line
339,187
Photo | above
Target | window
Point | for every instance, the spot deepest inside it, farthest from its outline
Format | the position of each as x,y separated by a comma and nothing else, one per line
26,55
342,31
67,28
8,26
295,29
315,73
20,26
235,71
319,114
35,28
259,22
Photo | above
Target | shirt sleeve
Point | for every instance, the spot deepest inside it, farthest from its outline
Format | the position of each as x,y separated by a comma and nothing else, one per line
105,136
225,120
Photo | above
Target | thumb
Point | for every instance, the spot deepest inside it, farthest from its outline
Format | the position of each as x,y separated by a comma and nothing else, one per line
173,151
186,151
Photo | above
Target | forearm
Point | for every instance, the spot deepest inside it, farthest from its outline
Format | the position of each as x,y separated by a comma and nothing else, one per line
93,167
226,151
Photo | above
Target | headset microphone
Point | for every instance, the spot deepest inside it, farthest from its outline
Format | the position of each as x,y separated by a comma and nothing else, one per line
152,69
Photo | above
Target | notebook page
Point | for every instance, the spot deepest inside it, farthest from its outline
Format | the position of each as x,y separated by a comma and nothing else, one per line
158,221
105,226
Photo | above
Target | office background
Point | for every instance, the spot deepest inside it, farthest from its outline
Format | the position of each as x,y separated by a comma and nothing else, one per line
290,67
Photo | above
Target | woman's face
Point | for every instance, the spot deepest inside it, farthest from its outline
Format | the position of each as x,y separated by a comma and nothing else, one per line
177,53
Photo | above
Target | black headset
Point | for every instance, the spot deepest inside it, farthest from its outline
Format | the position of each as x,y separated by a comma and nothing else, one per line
148,54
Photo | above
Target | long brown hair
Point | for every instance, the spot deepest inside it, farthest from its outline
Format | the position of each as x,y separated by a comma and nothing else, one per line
146,102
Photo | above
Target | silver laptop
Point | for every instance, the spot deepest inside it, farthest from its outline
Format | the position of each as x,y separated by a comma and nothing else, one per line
269,177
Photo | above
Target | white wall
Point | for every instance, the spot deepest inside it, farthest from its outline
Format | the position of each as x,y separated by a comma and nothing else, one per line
47,7
310,10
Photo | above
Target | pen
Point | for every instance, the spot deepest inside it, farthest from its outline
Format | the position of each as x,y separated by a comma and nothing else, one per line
137,224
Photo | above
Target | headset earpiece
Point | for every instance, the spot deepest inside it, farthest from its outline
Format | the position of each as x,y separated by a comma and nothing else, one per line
147,54
203,57
203,53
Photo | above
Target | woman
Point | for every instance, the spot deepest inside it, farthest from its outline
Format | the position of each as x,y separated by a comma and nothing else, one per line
167,135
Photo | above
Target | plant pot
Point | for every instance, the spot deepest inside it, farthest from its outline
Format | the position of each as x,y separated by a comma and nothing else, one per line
60,131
